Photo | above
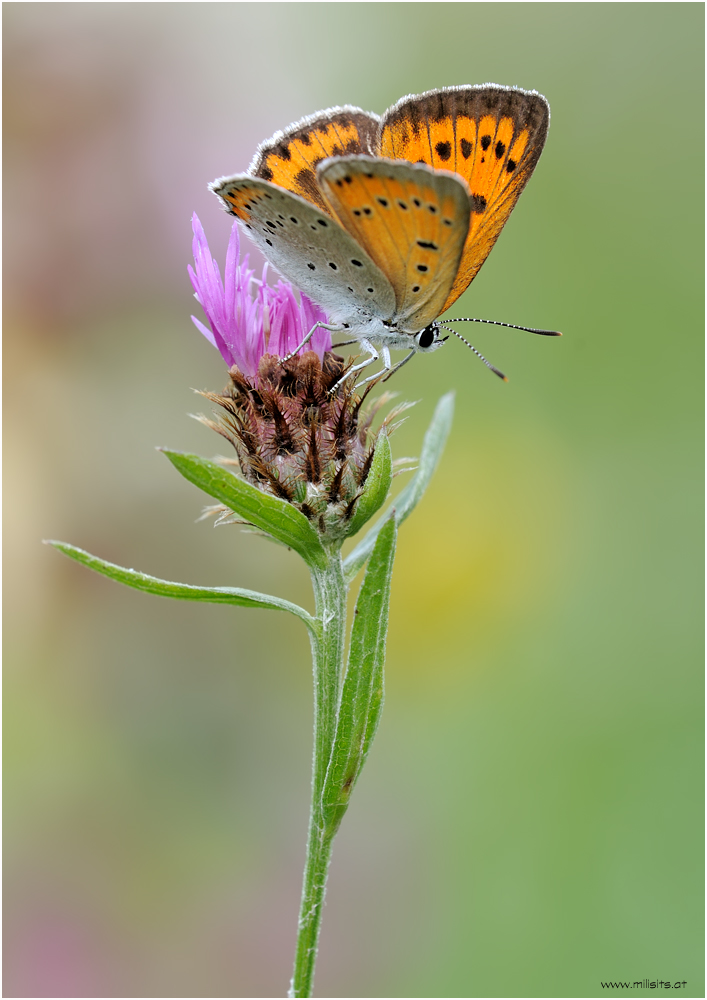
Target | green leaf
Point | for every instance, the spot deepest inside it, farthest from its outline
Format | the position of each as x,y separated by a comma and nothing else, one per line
408,499
377,487
278,517
183,591
362,693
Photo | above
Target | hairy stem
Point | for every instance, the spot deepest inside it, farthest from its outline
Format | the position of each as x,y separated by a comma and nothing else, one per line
330,593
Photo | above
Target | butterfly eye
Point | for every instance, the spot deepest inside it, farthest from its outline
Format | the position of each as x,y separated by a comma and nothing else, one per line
426,337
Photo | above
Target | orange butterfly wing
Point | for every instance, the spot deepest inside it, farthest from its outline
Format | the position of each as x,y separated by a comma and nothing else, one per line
289,159
492,136
411,220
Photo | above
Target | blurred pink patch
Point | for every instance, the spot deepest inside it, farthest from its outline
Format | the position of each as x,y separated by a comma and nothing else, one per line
57,956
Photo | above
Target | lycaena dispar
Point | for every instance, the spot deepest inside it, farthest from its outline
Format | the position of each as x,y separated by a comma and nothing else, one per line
386,221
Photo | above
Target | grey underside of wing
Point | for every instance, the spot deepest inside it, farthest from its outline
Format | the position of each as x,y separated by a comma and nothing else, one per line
315,254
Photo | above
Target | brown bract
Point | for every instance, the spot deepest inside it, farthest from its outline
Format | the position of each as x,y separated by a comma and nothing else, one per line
298,437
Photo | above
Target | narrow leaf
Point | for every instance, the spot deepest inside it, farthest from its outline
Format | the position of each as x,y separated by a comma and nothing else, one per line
408,499
377,486
183,591
362,693
278,517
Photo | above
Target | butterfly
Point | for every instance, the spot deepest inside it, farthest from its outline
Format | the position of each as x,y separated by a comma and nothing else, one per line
385,222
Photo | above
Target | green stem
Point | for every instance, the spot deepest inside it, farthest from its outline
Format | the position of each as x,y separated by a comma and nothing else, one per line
330,592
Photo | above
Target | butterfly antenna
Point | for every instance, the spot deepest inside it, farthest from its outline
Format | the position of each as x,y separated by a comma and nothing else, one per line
511,326
488,364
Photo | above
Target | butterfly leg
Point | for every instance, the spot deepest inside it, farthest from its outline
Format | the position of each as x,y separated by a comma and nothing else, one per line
374,355
391,371
400,365
385,351
317,326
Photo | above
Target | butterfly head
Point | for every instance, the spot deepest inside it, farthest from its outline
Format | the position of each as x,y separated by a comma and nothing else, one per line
428,339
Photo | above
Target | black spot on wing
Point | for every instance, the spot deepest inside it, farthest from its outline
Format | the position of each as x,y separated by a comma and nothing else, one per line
444,150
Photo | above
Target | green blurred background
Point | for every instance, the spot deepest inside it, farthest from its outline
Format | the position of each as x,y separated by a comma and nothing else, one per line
529,821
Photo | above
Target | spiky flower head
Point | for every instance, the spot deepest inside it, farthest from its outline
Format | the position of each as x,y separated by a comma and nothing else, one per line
295,423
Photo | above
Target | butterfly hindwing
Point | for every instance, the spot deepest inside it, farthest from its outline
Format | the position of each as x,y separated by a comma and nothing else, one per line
291,157
492,136
309,248
413,222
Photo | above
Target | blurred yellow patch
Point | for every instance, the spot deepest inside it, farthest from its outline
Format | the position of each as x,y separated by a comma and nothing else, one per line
479,555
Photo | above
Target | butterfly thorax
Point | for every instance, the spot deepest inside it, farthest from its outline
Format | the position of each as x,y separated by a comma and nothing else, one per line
388,333
381,333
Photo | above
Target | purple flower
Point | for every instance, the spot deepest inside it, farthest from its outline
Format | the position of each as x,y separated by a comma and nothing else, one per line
248,317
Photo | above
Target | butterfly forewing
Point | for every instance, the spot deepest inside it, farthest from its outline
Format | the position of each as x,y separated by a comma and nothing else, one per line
309,248
291,157
492,136
413,222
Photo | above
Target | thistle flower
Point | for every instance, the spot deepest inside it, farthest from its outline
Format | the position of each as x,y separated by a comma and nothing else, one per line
296,428
311,474
247,317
